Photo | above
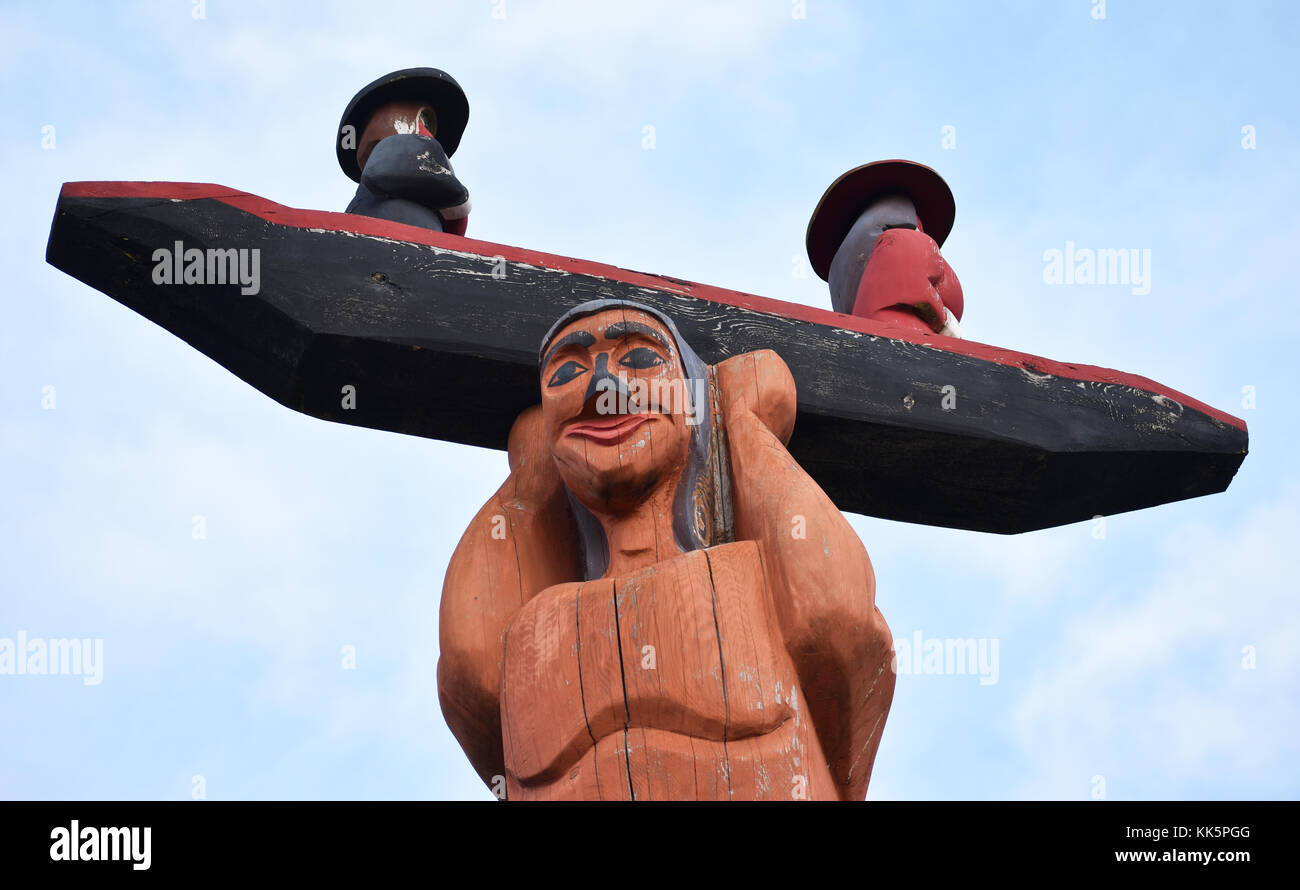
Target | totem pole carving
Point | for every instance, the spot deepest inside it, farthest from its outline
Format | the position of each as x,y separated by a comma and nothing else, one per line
875,238
659,603
395,140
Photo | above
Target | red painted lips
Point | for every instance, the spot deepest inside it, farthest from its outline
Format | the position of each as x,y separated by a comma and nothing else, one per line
608,430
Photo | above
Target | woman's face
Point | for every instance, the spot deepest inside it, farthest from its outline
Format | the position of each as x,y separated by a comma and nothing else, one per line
615,408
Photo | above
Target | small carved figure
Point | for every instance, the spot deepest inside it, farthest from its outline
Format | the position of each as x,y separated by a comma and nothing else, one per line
396,139
875,238
659,603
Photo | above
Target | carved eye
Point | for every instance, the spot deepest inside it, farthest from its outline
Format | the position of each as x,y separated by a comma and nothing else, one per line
429,120
566,372
641,358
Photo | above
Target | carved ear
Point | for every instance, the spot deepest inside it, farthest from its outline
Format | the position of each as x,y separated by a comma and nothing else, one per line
760,382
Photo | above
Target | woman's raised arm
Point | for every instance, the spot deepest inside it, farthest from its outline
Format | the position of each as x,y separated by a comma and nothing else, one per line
521,542
817,569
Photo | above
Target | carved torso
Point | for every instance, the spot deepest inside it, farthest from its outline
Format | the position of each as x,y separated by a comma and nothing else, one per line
671,683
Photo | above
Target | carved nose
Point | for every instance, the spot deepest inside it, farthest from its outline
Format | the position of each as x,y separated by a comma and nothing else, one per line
602,373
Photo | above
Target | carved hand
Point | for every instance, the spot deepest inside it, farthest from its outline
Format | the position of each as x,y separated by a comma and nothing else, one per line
759,382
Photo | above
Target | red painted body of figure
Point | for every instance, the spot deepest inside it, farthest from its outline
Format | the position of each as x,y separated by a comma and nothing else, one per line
875,238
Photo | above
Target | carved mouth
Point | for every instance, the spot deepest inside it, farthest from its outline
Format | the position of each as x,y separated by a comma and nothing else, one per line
608,430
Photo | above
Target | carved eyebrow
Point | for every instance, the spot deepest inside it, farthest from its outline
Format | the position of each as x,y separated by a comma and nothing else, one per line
581,338
623,328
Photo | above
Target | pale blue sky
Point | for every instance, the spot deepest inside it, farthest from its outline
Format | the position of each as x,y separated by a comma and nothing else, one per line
1119,657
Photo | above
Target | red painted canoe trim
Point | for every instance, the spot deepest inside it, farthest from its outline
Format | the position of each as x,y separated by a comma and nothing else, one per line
346,222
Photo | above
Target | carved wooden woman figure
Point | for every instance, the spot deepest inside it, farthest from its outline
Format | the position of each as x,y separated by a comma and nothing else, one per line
659,603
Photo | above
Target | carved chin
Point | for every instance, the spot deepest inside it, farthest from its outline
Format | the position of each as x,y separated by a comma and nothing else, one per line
613,488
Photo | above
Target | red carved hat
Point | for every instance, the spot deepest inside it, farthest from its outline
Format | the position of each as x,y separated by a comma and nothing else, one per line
438,88
849,195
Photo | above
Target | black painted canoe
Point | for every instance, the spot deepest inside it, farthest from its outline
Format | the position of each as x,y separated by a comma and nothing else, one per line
438,334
